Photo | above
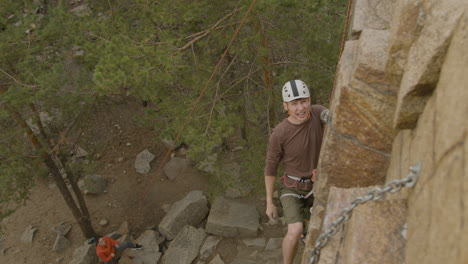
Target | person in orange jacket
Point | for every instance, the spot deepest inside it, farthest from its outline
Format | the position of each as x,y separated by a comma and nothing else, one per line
107,248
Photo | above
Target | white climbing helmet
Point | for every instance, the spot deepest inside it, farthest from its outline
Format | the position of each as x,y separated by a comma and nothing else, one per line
295,89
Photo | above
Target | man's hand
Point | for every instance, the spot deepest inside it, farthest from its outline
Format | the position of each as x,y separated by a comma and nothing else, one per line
272,212
116,246
325,116
314,175
112,255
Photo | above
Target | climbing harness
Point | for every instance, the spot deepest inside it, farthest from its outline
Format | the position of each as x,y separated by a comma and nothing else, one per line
297,180
374,195
300,196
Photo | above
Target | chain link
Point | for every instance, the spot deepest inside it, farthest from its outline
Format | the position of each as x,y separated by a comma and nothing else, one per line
374,195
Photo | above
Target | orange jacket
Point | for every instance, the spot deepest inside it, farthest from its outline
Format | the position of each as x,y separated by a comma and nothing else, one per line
104,252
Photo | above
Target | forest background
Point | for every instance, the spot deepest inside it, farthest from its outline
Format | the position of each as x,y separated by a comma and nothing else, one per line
60,59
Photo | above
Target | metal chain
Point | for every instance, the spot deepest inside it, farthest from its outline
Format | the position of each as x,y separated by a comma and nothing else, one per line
375,194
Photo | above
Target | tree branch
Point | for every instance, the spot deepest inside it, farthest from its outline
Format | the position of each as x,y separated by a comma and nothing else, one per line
199,35
63,134
18,82
216,93
190,43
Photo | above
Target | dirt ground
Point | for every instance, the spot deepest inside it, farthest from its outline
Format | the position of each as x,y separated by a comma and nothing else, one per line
132,197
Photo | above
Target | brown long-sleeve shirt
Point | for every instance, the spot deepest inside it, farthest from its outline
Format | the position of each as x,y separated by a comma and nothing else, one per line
297,146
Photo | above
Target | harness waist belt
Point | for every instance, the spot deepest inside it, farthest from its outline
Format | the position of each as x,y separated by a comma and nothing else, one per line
298,178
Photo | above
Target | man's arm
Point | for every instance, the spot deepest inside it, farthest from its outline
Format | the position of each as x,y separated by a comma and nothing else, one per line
104,257
271,210
111,241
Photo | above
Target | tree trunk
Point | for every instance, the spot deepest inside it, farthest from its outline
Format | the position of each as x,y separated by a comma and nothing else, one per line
53,164
79,197
83,222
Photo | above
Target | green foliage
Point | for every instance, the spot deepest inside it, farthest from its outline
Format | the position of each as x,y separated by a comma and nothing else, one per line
163,52
13,187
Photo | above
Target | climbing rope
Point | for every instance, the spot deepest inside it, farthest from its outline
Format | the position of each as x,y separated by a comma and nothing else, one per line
343,40
374,195
189,116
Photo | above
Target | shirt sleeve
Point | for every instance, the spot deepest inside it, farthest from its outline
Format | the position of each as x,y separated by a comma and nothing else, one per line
321,112
113,242
274,155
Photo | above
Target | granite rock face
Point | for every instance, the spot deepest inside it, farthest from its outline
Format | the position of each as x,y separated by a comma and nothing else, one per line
400,99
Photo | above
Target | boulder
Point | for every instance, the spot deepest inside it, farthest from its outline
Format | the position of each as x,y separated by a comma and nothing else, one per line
149,239
84,255
259,242
274,243
209,247
145,256
143,160
61,243
191,210
208,164
175,167
243,261
2,246
61,228
123,229
229,218
166,207
93,184
185,247
216,260
28,234
103,222
79,152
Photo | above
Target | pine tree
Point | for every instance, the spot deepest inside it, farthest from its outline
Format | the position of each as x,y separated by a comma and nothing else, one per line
33,47
161,52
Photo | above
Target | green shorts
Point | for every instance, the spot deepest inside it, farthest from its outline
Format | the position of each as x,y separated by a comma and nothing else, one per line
295,209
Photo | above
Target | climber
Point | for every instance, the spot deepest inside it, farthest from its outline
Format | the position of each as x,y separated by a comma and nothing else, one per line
107,248
295,142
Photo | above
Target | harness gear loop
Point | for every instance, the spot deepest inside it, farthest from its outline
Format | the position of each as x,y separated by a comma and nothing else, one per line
299,196
285,184
296,180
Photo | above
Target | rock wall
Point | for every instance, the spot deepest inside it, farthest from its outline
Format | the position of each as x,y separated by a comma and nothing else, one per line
401,97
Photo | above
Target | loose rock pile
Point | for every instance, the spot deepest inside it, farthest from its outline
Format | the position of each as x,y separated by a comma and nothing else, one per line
191,232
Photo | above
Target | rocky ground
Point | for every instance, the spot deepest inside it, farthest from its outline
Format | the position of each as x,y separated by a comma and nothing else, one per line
141,200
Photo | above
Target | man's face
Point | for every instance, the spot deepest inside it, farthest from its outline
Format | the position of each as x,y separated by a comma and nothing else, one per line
102,242
298,110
